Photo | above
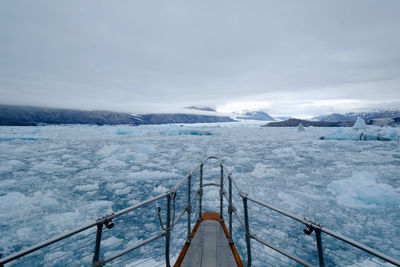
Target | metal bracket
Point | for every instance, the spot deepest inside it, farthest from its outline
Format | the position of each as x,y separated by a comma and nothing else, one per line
108,217
189,208
311,226
230,209
107,220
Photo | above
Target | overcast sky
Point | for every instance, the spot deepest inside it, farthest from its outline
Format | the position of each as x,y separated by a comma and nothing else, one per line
296,58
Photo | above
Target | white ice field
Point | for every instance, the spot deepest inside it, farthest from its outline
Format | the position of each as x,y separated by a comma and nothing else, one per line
55,178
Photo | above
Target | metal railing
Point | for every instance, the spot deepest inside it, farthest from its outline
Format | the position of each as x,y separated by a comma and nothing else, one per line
170,195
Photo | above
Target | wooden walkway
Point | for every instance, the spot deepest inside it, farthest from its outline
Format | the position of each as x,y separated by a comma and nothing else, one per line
210,246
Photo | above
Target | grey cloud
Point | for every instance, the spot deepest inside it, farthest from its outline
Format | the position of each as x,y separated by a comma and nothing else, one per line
146,55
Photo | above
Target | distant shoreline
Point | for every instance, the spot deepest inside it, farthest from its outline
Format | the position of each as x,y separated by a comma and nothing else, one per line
36,116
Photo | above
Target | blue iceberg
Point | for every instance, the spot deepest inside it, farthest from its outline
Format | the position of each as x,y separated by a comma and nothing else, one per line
360,131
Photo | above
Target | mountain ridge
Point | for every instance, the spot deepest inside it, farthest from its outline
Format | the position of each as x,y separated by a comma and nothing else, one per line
253,115
352,116
11,115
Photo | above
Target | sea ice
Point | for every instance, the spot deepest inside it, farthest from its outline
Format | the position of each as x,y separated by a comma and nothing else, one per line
360,131
72,175
264,171
362,190
173,132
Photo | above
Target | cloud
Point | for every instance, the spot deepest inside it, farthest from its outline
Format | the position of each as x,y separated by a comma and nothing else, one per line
150,56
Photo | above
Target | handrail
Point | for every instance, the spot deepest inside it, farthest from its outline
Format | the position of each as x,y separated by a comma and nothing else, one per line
78,230
224,171
314,225
137,245
281,251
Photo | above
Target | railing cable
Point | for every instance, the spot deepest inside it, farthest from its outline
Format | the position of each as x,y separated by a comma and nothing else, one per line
57,247
343,258
68,253
80,258
351,251
135,256
272,256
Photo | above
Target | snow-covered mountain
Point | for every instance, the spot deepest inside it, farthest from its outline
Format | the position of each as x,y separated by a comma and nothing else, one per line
31,116
352,116
253,115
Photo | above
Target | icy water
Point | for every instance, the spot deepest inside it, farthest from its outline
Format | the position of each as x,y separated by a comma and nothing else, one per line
55,178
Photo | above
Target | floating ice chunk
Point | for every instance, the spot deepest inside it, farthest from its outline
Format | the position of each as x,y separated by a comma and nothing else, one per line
145,148
20,204
362,190
173,132
46,201
111,162
359,124
11,165
122,191
88,187
262,171
343,134
160,189
96,209
124,131
150,175
300,128
108,150
372,133
114,186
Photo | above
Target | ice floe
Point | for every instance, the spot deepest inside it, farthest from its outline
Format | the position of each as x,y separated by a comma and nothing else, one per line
360,131
362,190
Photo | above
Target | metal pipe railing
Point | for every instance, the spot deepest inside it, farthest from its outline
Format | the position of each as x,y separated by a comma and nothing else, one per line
201,189
221,192
246,224
96,255
230,207
101,220
107,221
168,231
315,226
189,209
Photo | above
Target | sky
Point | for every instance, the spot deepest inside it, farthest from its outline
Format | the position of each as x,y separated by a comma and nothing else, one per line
288,58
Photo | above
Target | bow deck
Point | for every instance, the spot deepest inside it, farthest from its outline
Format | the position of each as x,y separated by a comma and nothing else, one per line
210,245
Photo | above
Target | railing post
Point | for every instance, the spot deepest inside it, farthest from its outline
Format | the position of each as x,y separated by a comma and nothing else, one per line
246,223
189,209
168,231
230,208
201,189
319,245
96,255
221,194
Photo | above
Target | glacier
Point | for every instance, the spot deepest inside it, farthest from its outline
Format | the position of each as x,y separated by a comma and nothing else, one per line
55,178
